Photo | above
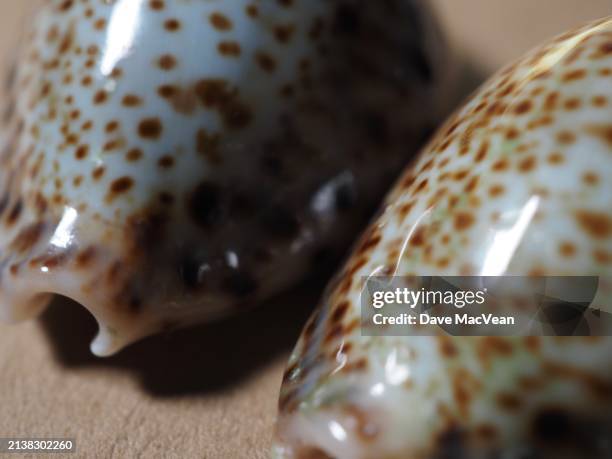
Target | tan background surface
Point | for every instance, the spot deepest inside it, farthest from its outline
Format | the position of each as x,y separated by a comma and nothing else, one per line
208,392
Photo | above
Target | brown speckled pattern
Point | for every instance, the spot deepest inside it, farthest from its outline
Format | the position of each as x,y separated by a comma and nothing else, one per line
166,162
519,182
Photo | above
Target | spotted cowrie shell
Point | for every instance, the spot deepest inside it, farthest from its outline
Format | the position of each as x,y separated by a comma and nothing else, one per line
166,162
518,182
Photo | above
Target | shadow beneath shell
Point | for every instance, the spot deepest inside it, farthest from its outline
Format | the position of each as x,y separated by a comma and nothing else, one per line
203,359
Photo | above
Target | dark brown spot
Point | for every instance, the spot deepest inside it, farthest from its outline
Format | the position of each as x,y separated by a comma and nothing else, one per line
603,257
566,137
340,311
421,186
460,175
111,126
555,158
573,75
131,100
166,162
369,241
156,5
486,431
550,103
509,402
14,213
482,151
605,49
493,345
599,101
100,97
99,24
98,172
604,72
532,343
220,22
121,185
85,257
150,128
567,249
229,48
77,181
602,131
49,261
265,61
461,393
334,333
590,178
27,238
172,25
500,165
512,133
283,33
166,62
252,11
527,164
447,347
66,5
496,190
472,184
418,237
81,152
166,198
572,104
133,155
523,107
597,225
453,201
166,91
214,93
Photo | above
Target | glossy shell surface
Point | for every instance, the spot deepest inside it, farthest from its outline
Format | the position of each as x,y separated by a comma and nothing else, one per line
166,162
518,182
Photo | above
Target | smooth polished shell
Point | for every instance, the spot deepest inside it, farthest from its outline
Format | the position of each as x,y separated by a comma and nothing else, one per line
166,162
518,182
